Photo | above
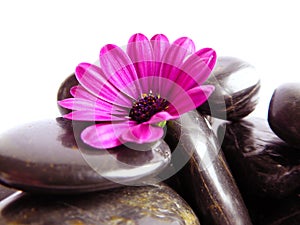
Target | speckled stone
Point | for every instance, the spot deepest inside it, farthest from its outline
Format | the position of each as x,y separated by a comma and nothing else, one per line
236,89
48,156
284,113
64,91
148,205
205,181
261,163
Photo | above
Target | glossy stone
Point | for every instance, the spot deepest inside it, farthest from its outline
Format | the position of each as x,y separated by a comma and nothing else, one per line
49,156
236,89
148,205
284,113
4,192
267,211
261,163
205,181
64,91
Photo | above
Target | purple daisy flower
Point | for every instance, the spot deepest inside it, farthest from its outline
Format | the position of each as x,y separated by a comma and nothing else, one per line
132,94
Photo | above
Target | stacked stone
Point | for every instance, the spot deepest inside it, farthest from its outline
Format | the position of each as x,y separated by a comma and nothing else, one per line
184,179
265,166
66,182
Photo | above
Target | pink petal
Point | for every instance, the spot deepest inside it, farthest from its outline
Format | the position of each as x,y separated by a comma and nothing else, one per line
191,100
160,45
78,104
93,115
173,59
97,106
161,116
94,80
197,68
178,51
80,92
168,89
142,133
119,69
104,135
209,56
140,52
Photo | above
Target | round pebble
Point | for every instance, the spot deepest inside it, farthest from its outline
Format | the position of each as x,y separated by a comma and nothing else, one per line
237,85
284,113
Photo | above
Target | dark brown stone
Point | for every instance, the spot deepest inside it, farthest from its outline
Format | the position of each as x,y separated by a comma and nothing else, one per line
267,211
236,89
261,163
49,156
148,205
4,192
205,181
284,113
64,91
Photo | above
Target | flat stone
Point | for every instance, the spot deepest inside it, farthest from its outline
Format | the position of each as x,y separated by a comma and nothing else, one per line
205,181
148,205
261,163
48,156
64,91
284,113
236,89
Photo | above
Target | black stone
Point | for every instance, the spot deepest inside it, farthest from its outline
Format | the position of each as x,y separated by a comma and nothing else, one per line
64,91
205,181
49,157
148,205
261,163
284,113
236,89
267,211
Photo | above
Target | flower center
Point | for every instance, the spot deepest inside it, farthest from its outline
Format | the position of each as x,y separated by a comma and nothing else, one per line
143,109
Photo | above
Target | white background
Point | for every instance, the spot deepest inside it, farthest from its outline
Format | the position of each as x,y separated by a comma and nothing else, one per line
41,42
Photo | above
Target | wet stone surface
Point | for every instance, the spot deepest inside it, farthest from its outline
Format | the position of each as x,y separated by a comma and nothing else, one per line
284,113
267,211
236,89
48,156
147,205
261,163
205,181
5,192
